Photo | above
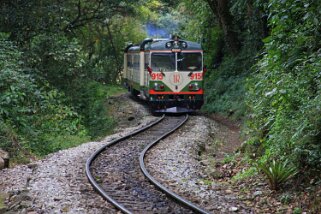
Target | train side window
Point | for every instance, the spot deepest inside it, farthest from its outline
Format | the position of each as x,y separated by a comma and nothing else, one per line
130,61
136,62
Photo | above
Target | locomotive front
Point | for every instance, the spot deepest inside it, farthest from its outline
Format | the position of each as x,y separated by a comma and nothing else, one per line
176,83
172,74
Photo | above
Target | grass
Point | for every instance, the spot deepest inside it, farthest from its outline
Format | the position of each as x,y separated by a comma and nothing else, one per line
67,141
229,158
244,174
207,182
225,96
2,199
115,90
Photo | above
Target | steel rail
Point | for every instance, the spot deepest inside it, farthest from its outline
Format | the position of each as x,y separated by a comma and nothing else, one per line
90,177
171,194
159,185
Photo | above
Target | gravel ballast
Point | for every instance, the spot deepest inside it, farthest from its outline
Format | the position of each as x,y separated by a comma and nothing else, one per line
58,184
175,163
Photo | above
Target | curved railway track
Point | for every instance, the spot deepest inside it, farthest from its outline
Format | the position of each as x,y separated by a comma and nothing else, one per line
117,171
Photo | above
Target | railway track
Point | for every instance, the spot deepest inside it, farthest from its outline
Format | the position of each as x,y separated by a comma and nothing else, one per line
117,171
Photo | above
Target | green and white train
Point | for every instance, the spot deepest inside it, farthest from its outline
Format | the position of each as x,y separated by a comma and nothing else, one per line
168,73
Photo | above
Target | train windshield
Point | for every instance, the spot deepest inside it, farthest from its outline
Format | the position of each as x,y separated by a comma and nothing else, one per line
189,61
163,62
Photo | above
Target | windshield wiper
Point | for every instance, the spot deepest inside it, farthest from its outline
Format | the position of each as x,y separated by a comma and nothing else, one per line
162,72
192,68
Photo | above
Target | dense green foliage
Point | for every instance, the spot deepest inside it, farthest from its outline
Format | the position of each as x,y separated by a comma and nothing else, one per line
285,119
58,66
59,62
34,115
225,81
271,78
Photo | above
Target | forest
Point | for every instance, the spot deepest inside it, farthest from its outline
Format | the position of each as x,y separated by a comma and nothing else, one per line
61,60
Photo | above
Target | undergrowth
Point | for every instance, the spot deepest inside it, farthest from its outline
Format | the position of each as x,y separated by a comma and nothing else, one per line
284,92
244,174
37,118
277,172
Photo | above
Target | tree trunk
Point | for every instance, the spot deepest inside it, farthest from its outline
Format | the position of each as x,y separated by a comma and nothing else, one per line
221,10
111,40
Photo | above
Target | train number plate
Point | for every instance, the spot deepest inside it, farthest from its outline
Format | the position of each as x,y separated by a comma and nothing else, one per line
157,76
196,76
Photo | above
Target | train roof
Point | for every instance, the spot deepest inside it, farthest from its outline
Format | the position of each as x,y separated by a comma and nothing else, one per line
163,44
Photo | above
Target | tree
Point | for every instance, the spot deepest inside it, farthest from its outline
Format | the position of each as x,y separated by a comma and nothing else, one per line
221,10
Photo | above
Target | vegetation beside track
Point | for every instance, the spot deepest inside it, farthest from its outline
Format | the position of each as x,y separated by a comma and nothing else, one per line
264,70
263,59
38,118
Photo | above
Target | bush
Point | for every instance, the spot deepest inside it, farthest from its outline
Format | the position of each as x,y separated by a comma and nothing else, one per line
226,96
277,173
245,174
31,111
225,90
62,62
284,92
57,59
90,97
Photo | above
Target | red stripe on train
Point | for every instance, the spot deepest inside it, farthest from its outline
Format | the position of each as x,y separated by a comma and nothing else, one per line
200,92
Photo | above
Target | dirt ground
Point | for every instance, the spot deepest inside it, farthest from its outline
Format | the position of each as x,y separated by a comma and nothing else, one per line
300,195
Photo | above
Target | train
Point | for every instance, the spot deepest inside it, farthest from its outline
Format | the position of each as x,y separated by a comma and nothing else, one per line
167,73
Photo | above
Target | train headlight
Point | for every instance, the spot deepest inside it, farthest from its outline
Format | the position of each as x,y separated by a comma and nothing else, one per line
184,45
159,87
168,45
193,87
